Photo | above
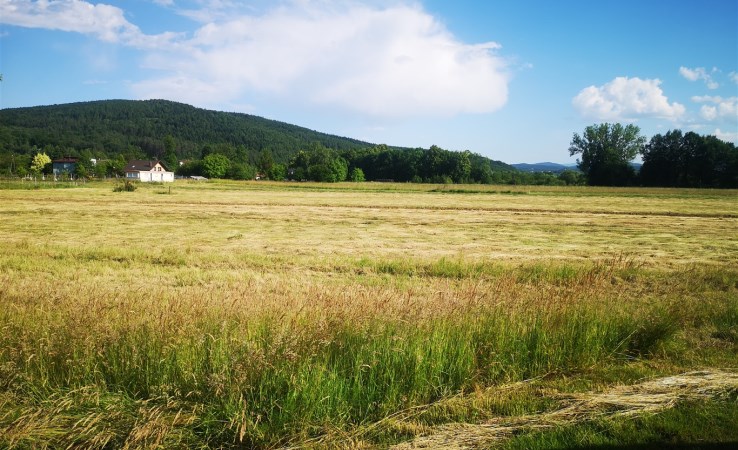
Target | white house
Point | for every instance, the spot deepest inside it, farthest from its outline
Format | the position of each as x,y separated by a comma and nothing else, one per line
148,171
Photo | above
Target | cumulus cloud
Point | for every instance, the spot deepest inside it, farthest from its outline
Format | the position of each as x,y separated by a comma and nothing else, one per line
717,107
726,136
733,77
392,61
699,73
381,58
105,22
627,99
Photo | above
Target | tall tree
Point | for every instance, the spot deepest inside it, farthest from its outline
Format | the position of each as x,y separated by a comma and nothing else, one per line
664,160
170,156
266,161
216,165
461,170
606,152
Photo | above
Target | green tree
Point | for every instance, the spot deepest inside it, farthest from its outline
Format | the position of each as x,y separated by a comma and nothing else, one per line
115,167
356,175
266,161
689,160
278,172
190,168
241,171
432,164
461,171
481,172
100,169
319,163
606,152
665,159
170,156
571,177
39,162
215,165
83,168
330,171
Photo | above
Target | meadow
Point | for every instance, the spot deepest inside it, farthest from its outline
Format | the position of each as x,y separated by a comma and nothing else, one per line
288,315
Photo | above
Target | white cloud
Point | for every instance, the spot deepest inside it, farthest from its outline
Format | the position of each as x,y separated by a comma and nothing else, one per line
627,99
394,61
708,112
726,136
207,11
733,77
105,22
381,58
699,73
717,107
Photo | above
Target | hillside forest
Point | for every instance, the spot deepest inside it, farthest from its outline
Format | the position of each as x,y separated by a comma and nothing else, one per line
194,141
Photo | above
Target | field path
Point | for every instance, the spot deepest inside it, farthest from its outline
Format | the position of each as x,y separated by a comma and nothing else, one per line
650,396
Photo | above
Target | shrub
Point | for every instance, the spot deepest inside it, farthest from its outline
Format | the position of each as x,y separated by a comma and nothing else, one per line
357,175
126,186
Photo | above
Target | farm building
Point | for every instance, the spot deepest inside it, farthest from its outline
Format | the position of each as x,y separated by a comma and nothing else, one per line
148,171
64,165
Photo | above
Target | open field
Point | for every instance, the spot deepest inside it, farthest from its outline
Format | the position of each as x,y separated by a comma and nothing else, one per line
275,315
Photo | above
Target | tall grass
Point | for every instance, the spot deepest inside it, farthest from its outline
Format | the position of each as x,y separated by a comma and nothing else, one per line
221,373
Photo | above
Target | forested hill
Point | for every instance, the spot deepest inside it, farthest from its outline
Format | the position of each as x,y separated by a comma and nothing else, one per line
112,127
116,131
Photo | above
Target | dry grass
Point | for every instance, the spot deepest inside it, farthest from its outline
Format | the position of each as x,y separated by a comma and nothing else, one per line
659,229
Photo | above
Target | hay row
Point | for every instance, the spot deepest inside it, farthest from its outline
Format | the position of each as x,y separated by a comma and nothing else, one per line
648,397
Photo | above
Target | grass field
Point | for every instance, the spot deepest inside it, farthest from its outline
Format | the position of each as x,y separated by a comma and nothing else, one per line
227,314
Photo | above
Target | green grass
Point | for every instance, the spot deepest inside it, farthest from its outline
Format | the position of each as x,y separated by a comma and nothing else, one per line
292,379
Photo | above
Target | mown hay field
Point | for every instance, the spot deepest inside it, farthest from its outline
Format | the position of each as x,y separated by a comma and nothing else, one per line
228,314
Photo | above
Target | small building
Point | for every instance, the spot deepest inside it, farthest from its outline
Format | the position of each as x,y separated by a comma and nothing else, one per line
148,171
64,166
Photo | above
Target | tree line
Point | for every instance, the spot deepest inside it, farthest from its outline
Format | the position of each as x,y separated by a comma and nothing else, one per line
316,162
673,159
194,141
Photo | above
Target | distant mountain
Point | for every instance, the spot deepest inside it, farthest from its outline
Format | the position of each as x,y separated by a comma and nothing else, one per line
544,167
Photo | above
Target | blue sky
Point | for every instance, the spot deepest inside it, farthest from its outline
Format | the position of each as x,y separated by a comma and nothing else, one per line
512,80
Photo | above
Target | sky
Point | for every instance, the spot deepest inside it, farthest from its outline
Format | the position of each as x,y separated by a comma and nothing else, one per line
512,80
